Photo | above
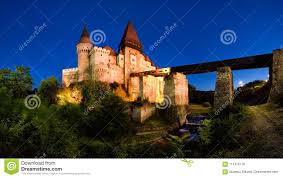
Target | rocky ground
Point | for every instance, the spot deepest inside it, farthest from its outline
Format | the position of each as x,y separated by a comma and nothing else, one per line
268,126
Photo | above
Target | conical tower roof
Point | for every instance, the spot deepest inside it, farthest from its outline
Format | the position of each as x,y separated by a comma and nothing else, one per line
130,38
84,36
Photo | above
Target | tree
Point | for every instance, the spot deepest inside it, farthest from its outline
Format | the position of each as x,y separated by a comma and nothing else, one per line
179,143
109,118
19,82
48,90
93,92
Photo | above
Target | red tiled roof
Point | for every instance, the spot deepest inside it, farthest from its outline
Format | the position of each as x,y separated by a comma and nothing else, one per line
112,52
130,38
84,36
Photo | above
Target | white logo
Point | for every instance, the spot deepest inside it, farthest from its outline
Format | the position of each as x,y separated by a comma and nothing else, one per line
97,36
166,103
11,166
32,101
228,37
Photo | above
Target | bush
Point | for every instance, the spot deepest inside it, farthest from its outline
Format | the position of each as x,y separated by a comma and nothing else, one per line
93,92
48,90
206,132
96,149
114,85
109,117
206,104
18,82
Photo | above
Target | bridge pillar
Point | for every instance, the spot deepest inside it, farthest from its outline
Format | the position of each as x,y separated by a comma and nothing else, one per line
223,95
176,88
176,97
276,72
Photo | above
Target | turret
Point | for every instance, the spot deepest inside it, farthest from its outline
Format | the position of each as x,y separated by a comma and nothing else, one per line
130,38
131,48
83,48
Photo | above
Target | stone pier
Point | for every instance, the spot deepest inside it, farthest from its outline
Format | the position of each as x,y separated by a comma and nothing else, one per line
223,96
276,72
176,94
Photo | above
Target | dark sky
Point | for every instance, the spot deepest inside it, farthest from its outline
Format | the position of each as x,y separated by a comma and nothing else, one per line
256,26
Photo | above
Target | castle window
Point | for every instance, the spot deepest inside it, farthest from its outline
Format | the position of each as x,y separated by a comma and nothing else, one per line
133,59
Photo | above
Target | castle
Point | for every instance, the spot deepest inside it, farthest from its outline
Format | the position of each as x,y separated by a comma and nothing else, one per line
130,68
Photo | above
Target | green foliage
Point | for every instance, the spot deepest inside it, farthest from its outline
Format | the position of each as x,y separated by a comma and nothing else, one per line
56,135
18,82
179,141
109,118
253,93
206,104
206,132
48,90
96,148
93,92
224,135
98,127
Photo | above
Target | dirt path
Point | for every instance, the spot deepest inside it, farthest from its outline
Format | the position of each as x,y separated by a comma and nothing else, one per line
268,124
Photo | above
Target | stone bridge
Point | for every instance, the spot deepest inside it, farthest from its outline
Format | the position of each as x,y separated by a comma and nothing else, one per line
224,83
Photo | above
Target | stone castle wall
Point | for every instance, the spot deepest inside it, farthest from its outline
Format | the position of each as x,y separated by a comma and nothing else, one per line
152,88
108,73
141,113
83,50
109,68
69,76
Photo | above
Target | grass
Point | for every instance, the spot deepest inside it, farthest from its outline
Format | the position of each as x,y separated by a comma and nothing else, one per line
199,109
267,125
155,121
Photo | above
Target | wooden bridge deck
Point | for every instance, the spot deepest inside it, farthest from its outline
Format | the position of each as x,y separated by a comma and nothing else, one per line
259,61
250,62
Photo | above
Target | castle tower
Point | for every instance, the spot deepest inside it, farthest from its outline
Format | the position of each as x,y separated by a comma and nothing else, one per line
83,48
131,47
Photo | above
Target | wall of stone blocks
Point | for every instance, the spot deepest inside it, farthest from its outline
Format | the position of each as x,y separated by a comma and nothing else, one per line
142,113
276,73
176,88
223,95
69,76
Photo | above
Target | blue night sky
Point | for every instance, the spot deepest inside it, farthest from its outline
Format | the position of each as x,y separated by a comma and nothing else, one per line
257,27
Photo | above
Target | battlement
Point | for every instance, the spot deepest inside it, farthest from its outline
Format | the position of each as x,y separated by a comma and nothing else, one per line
100,50
84,48
70,70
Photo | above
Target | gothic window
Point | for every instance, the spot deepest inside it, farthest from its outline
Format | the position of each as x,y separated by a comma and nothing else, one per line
133,59
119,59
